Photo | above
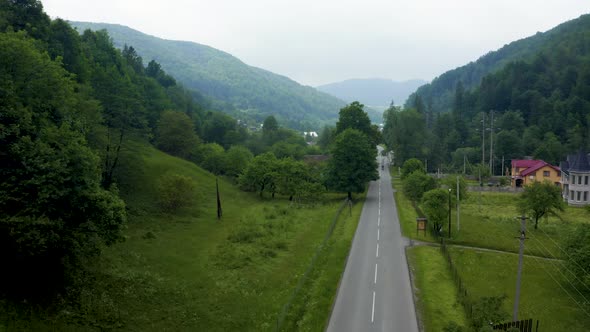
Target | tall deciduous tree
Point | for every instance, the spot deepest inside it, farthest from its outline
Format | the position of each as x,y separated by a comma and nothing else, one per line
540,199
53,212
291,175
435,204
260,174
353,162
176,134
354,117
405,133
237,158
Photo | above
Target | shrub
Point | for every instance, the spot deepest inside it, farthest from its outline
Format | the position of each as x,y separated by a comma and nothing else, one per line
416,184
176,191
411,166
488,310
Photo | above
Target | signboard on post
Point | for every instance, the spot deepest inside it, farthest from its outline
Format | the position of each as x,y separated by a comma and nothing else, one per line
421,225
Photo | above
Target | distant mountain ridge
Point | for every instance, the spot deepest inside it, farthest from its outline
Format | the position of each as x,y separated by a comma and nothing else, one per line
374,92
439,94
249,93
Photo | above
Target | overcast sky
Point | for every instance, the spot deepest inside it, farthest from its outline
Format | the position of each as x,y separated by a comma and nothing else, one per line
322,41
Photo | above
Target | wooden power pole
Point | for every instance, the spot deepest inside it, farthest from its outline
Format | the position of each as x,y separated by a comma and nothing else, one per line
219,211
519,272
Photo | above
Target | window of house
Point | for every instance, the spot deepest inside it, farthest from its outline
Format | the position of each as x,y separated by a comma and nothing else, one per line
573,179
585,196
546,174
579,195
579,179
571,194
586,180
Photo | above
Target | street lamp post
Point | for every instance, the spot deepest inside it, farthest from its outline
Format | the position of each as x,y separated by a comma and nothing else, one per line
449,213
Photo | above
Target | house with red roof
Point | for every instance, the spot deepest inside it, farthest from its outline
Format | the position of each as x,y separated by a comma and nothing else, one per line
526,171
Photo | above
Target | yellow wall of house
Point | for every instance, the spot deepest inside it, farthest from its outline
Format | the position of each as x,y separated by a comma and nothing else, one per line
554,176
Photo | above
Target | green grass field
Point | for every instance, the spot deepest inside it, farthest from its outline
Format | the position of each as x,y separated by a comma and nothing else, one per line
488,221
190,272
437,303
494,274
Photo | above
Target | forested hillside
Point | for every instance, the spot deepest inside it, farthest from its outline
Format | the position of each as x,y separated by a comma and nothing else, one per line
245,92
109,218
374,92
438,96
538,106
69,104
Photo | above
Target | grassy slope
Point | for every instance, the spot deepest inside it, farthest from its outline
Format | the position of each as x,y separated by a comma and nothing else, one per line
190,272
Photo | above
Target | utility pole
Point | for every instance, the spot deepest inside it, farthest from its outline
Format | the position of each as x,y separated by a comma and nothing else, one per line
219,210
464,160
492,142
519,273
483,139
480,187
449,213
458,211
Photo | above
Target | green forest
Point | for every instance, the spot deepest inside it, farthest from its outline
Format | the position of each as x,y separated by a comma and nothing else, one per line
537,105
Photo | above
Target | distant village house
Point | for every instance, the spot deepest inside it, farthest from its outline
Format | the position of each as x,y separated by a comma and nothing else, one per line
525,171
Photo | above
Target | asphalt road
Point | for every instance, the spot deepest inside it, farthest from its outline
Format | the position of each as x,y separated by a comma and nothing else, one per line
375,293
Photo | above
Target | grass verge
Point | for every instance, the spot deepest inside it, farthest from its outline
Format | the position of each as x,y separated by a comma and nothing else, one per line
312,307
435,289
407,214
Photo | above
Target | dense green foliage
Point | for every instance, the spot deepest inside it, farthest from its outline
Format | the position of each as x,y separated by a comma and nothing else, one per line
435,204
54,214
247,93
353,162
176,134
353,116
416,184
577,246
412,165
534,102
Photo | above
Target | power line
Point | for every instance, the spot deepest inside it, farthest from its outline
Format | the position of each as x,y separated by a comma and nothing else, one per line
561,286
565,252
563,266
